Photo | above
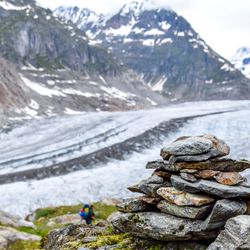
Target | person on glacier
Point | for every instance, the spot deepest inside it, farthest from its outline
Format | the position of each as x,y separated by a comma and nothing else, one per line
87,214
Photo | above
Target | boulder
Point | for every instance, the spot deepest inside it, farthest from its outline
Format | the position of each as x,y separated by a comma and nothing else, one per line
133,205
182,198
210,187
160,226
11,220
188,177
185,211
222,211
9,235
235,236
229,178
196,148
225,165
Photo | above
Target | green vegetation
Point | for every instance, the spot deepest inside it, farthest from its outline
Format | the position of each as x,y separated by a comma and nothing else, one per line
26,245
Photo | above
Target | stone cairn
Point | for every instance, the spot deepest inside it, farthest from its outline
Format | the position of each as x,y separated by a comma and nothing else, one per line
190,195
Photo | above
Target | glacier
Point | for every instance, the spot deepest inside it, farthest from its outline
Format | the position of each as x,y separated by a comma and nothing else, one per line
49,140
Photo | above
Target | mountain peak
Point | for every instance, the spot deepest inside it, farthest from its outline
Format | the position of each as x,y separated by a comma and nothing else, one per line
138,6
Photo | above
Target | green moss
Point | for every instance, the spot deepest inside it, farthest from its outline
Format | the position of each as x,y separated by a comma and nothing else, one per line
25,245
107,240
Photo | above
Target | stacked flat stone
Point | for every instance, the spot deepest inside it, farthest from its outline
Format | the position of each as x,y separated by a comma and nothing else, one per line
190,195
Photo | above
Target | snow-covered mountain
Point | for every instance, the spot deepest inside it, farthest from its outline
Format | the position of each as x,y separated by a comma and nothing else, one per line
48,67
165,50
241,60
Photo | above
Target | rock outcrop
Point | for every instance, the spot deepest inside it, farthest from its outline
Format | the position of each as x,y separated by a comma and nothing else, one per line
191,195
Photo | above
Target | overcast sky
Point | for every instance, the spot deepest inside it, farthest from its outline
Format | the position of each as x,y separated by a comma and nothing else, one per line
223,24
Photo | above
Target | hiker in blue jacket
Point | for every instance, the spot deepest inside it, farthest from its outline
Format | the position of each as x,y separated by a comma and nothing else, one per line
87,213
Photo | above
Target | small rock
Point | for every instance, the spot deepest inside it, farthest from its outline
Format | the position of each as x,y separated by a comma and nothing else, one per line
160,226
163,174
229,178
210,187
207,174
133,205
149,200
188,177
235,236
185,211
182,198
222,211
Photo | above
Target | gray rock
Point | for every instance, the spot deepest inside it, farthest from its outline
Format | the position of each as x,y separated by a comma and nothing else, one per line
160,226
226,165
197,148
222,211
235,236
150,186
133,205
188,177
210,187
185,211
187,146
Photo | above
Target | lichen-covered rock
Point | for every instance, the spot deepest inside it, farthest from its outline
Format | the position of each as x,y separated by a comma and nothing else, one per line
133,205
222,211
196,148
9,235
182,198
185,211
235,236
210,187
229,178
61,238
160,226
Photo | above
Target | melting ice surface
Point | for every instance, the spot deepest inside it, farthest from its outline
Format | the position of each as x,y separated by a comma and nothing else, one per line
111,180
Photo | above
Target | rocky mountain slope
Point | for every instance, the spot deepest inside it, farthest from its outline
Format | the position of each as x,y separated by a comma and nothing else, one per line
164,49
241,60
55,70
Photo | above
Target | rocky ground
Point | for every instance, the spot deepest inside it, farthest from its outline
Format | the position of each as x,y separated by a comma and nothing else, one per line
194,199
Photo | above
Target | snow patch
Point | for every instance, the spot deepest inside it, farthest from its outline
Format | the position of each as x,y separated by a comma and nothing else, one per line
41,90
